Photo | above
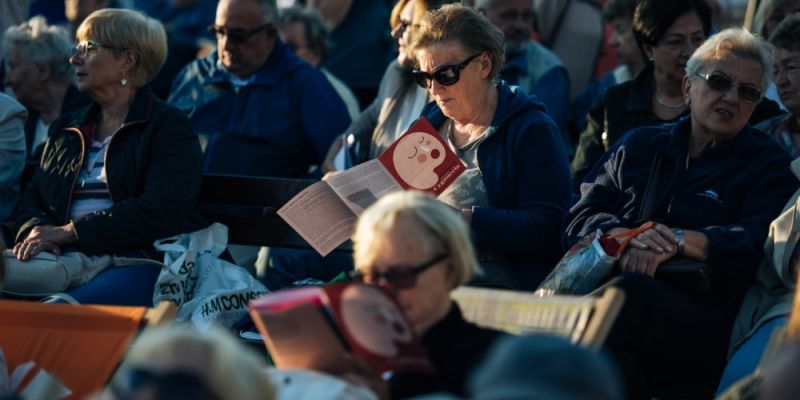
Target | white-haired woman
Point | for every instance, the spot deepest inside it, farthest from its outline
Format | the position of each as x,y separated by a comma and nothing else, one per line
40,76
420,249
120,173
720,184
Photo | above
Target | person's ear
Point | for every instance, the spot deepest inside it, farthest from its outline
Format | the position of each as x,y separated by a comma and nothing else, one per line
129,60
45,71
686,86
486,65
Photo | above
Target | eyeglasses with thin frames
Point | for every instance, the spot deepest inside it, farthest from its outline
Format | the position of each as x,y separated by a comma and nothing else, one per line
721,83
237,35
82,49
177,385
397,277
446,75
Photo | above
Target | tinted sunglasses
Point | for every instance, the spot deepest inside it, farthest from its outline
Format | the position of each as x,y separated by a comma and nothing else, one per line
174,385
721,83
445,75
397,277
82,49
236,35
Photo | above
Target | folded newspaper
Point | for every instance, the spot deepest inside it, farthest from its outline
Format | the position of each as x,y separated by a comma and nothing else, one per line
325,213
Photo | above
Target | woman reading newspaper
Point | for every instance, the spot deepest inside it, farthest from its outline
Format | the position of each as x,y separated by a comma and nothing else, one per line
420,250
515,192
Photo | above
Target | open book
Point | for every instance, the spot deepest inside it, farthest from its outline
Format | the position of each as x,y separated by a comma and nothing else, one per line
325,213
311,327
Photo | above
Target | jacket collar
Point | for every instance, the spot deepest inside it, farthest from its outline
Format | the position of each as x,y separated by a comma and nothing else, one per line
673,142
279,62
140,110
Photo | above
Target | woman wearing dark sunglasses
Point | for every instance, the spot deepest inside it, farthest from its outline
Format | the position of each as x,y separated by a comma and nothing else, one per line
420,249
712,184
515,192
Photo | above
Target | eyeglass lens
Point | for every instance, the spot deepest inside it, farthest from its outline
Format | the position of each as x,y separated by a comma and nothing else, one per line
722,83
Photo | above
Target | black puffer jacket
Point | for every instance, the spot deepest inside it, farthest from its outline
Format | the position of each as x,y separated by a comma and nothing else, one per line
154,169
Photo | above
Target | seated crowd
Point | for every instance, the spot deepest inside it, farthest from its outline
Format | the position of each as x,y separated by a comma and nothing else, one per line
690,139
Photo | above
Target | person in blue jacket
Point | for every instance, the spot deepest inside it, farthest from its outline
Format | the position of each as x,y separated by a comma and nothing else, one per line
265,111
516,190
720,183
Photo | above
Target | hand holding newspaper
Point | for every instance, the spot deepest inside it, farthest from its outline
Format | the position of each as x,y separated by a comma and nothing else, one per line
325,213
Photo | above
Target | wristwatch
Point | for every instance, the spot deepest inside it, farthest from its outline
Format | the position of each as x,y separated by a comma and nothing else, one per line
681,240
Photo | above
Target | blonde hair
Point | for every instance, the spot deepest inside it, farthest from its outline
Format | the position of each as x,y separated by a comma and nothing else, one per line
231,370
441,229
129,30
462,25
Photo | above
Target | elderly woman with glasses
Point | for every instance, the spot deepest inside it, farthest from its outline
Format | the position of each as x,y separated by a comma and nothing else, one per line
720,183
420,249
515,192
120,173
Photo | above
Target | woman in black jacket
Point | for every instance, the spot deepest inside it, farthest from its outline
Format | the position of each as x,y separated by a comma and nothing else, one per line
119,174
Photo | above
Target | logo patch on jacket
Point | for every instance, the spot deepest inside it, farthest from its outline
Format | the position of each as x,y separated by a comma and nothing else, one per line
710,194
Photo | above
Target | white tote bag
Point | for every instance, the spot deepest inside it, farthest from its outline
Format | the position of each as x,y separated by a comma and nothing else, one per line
207,290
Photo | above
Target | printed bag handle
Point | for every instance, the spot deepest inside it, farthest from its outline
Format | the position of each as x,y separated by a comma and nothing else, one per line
630,234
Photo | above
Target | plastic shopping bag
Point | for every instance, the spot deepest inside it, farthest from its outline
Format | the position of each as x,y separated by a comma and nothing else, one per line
207,290
585,265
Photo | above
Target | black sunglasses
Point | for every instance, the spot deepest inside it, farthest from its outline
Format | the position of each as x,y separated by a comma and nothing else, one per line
397,277
721,83
446,75
236,35
177,385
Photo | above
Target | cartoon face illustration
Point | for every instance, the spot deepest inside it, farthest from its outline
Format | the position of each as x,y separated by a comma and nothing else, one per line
374,321
415,157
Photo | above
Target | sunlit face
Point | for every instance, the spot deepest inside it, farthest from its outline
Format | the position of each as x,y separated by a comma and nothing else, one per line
676,46
403,31
99,70
294,35
243,58
457,101
407,245
78,10
24,77
722,115
787,78
623,43
515,19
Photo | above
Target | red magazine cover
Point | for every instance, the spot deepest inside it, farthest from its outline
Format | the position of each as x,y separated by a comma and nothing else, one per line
421,160
312,327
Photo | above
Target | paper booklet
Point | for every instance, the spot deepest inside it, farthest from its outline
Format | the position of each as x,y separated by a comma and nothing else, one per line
313,327
325,213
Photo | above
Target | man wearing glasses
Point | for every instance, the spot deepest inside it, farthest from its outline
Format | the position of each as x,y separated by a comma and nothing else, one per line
263,111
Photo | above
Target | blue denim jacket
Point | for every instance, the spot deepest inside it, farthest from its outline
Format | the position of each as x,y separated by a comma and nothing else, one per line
280,124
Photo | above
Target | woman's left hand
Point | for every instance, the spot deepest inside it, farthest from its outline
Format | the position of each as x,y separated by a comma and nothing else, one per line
659,239
45,238
644,261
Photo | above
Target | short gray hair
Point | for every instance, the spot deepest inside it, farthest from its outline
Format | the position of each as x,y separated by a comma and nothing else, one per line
46,45
313,26
741,44
443,231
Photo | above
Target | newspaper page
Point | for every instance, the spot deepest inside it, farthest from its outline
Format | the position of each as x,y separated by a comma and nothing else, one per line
325,213
320,217
363,185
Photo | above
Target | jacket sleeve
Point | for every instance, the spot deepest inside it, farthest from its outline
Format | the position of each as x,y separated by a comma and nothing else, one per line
734,250
533,228
590,145
323,113
12,154
167,203
600,200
